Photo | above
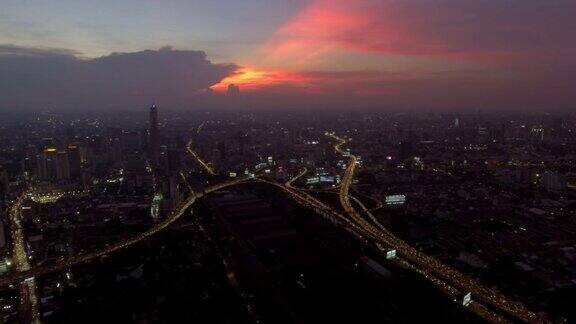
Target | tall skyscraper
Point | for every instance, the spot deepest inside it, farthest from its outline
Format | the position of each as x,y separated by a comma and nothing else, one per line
233,90
74,161
174,160
3,186
3,207
47,164
2,233
154,143
62,166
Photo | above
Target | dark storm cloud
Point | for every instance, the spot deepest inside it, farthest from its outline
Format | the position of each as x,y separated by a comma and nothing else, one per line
7,49
35,78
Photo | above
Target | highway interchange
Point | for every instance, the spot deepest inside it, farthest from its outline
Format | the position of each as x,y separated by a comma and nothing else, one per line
488,303
63,264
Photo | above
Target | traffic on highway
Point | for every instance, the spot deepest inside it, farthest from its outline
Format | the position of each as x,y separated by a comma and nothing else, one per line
493,304
363,225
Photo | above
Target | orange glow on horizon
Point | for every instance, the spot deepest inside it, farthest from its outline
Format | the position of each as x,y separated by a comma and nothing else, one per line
250,79
325,29
246,78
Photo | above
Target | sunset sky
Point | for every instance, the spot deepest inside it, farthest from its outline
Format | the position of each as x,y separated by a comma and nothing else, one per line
417,54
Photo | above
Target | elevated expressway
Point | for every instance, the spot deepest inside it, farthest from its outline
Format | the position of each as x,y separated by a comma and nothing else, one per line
488,303
23,273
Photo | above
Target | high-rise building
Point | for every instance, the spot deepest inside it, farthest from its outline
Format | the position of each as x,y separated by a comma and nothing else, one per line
48,142
47,165
3,204
3,186
553,181
154,144
174,190
53,165
174,160
74,161
70,134
483,134
2,231
537,133
114,150
222,150
62,166
29,163
144,140
131,141
233,90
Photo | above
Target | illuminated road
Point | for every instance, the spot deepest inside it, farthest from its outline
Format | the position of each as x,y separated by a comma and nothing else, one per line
379,204
370,232
200,161
84,258
298,176
28,287
19,256
447,279
199,129
301,174
187,182
309,201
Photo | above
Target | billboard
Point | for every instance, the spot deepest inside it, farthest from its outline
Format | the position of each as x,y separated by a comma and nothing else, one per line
467,299
395,200
330,179
312,180
155,206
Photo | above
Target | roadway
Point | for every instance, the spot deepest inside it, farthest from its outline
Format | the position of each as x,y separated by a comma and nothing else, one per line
449,280
296,177
203,164
63,264
28,288
370,239
25,271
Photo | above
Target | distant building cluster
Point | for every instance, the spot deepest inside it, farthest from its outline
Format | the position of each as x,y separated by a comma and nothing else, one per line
493,196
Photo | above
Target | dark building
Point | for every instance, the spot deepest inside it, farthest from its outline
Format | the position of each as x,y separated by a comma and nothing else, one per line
174,160
74,161
222,150
47,165
70,134
154,144
62,166
3,186
233,90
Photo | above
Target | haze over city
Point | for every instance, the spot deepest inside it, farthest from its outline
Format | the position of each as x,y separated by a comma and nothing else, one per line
416,55
287,162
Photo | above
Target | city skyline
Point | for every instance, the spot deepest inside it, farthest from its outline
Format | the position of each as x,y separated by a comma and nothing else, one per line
287,161
379,55
401,217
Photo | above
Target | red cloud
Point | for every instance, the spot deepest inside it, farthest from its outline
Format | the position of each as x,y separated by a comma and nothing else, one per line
449,29
522,40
